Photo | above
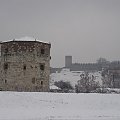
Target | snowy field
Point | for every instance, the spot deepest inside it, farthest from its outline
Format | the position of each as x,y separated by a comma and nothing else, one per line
59,106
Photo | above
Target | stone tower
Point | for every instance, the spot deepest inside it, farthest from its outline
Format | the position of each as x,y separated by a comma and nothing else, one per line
25,65
68,61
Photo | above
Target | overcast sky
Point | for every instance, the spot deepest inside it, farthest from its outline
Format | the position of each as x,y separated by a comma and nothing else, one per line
85,29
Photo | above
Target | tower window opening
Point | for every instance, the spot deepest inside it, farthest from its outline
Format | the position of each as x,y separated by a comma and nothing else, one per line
42,51
5,81
42,66
24,67
41,82
6,50
33,80
5,66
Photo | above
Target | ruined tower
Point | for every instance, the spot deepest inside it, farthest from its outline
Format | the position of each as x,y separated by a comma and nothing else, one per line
25,65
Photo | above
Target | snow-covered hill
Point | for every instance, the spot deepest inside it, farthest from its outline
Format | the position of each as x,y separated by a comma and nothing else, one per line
59,106
73,76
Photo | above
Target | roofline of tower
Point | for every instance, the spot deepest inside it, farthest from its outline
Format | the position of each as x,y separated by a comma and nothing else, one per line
14,40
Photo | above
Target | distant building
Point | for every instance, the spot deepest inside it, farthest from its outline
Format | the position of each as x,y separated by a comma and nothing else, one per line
81,66
24,65
68,61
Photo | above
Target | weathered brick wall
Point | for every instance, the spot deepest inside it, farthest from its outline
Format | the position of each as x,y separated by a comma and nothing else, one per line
25,66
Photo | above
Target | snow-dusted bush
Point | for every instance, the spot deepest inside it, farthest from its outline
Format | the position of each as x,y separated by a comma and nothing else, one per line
65,86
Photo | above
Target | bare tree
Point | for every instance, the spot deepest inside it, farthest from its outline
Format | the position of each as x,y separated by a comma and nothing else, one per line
86,83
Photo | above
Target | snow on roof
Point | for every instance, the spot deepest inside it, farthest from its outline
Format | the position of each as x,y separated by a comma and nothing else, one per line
26,38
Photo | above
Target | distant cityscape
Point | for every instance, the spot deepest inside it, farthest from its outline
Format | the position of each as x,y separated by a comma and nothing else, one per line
104,71
100,64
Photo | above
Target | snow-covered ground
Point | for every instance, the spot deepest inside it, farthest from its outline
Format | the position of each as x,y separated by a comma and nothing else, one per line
59,106
73,76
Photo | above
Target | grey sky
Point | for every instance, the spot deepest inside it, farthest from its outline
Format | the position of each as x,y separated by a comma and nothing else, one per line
85,29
